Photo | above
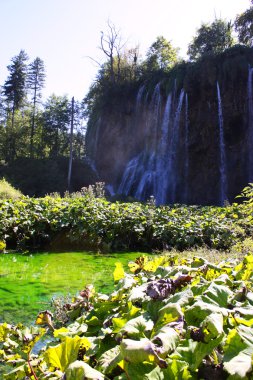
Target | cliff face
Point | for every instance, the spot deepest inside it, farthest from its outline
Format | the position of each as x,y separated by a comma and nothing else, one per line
187,139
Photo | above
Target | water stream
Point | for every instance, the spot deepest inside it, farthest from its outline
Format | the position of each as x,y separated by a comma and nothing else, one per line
250,126
222,150
28,282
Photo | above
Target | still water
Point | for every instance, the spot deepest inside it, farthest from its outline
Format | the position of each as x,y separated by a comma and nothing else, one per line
28,282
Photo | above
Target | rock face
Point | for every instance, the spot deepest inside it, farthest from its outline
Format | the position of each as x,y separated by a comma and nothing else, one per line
187,139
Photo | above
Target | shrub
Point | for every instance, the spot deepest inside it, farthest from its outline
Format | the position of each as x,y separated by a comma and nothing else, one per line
7,191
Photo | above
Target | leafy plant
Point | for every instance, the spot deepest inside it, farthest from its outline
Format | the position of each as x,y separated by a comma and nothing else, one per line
173,318
94,223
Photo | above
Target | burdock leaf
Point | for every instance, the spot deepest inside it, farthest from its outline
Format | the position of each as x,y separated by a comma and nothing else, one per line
212,326
137,327
167,314
143,350
62,355
166,340
194,352
238,353
79,370
109,360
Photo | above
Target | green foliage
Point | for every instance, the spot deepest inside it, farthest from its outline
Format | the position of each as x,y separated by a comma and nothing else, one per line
244,26
161,55
201,327
15,85
211,38
7,191
96,223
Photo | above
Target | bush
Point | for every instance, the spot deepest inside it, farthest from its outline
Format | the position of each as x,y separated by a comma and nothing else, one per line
7,191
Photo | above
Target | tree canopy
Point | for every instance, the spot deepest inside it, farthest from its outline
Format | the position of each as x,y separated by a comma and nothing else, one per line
211,38
244,26
161,55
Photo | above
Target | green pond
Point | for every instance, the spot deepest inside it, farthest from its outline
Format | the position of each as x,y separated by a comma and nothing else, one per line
28,282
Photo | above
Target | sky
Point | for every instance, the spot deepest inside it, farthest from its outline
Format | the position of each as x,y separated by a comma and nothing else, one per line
65,33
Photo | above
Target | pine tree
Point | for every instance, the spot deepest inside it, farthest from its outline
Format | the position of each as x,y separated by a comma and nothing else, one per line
14,90
35,82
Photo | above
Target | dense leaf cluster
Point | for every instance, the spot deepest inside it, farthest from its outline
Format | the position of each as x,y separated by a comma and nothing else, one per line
99,224
202,329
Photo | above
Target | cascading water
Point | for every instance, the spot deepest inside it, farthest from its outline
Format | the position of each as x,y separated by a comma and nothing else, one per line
250,126
146,186
186,150
222,164
162,155
154,170
173,150
133,167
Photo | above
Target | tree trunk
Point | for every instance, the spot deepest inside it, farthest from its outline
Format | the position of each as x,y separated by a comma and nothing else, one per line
71,144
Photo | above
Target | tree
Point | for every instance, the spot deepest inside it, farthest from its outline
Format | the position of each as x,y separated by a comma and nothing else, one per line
15,93
161,55
211,38
14,88
35,82
56,120
244,26
111,45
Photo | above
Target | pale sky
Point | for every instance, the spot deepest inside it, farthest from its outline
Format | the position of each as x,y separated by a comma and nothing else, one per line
64,32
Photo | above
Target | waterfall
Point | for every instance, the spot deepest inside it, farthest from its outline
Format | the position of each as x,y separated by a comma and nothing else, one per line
186,150
250,126
130,173
162,153
140,170
173,150
222,164
147,180
154,170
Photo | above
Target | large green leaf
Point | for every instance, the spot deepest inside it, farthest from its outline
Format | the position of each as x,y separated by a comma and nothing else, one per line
109,360
167,314
194,352
79,370
166,340
196,313
217,294
212,326
62,355
138,327
176,370
143,350
238,351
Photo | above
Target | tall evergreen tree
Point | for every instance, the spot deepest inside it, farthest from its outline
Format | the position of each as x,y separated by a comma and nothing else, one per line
35,82
14,90
14,87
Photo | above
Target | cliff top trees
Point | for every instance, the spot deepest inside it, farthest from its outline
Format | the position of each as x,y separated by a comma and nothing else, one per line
14,88
244,26
161,55
211,38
